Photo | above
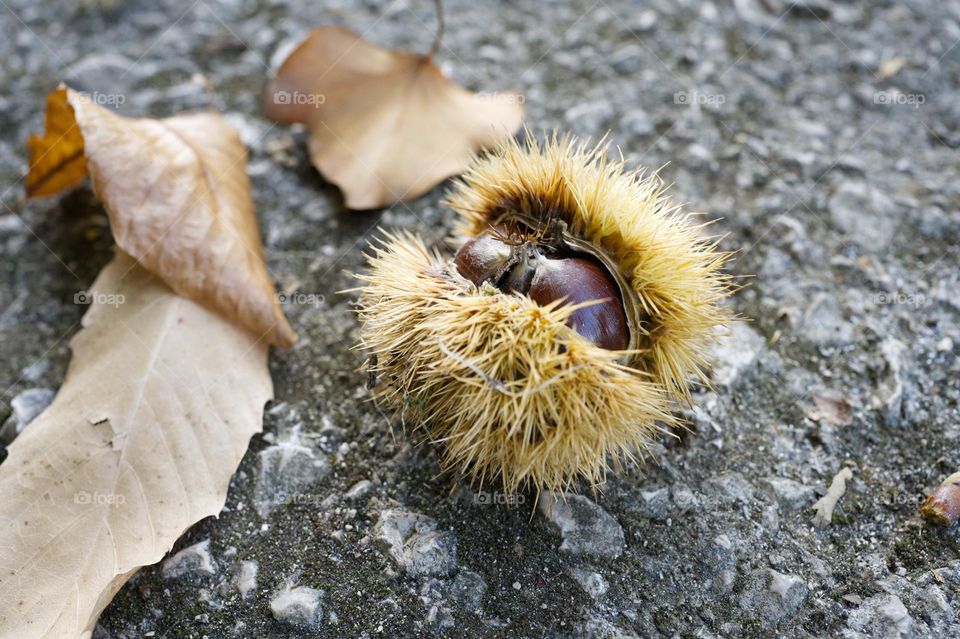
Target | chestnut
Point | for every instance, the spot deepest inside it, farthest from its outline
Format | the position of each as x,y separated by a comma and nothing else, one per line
577,280
558,339
483,258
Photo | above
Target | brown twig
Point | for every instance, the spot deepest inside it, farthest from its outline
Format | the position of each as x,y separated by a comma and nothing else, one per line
440,25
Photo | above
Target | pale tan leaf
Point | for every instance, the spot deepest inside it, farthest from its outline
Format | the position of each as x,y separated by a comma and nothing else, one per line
823,509
159,402
385,126
178,197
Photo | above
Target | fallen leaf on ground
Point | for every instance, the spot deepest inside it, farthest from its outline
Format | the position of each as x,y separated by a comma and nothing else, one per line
834,411
942,507
889,68
823,509
178,197
385,126
159,403
57,160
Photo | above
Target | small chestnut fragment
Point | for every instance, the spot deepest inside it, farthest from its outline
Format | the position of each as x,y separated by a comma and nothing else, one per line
525,268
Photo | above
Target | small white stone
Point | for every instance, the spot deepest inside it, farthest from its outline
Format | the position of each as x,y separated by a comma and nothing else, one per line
192,559
26,406
299,606
359,490
586,527
246,578
734,353
883,614
414,543
592,582
781,584
286,468
723,541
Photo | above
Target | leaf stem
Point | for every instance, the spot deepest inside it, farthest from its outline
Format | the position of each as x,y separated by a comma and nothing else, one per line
440,25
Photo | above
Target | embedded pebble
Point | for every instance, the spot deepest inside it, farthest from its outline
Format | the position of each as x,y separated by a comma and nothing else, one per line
467,589
790,494
414,543
735,352
592,582
285,469
586,528
847,206
25,408
657,501
192,560
882,616
359,490
246,578
773,596
297,606
823,323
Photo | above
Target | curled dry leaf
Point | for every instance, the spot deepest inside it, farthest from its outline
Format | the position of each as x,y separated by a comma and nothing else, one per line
178,197
823,509
385,126
160,400
838,412
57,160
942,507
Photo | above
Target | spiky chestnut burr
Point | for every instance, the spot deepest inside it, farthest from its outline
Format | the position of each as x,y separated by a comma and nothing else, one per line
578,309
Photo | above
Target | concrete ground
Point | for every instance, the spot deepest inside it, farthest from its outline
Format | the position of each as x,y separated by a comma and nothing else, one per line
824,139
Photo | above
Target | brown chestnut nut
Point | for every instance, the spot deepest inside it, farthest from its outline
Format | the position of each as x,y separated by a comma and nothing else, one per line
582,280
575,280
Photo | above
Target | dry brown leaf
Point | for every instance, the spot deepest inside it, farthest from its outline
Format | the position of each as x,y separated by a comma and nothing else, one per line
160,400
178,197
385,126
57,160
835,411
942,506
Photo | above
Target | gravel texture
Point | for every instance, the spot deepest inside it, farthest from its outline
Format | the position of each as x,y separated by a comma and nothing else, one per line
823,138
